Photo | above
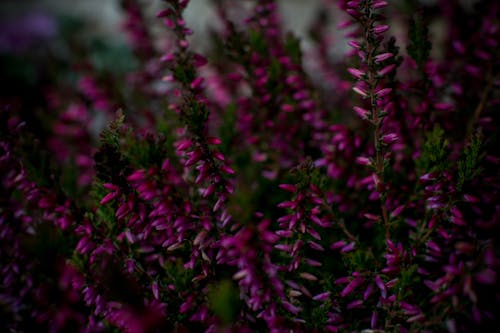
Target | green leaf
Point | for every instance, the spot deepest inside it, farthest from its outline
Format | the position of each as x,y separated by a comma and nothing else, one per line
184,73
257,42
110,164
224,301
418,34
320,313
407,282
112,58
292,47
435,152
468,165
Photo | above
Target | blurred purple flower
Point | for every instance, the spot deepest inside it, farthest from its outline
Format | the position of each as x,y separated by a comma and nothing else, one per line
19,33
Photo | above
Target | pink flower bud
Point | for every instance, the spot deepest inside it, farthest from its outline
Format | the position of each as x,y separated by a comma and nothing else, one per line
355,304
471,198
154,288
108,197
397,211
291,308
351,286
360,91
337,245
348,248
197,84
427,177
361,160
308,276
136,176
379,4
288,187
383,56
168,57
373,319
356,72
386,70
380,29
219,203
214,141
315,246
227,169
322,297
164,13
193,158
110,187
209,190
380,284
390,138
344,24
363,113
383,92
354,44
199,60
218,155
368,292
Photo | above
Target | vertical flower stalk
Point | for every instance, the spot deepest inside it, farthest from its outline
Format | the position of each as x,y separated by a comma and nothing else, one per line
370,87
196,146
137,30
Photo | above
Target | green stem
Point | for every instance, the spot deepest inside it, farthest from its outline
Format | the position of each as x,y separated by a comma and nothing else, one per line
377,122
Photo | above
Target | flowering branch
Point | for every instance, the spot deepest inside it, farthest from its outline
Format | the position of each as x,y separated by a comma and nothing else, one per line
369,87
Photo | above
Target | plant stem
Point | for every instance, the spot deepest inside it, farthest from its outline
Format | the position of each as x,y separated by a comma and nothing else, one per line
377,122
482,102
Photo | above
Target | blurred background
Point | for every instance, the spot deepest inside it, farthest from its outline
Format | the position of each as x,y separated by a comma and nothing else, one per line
103,17
58,41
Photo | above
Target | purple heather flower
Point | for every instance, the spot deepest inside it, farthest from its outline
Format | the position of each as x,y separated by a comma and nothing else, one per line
360,91
386,70
383,92
379,29
390,138
363,113
356,72
379,4
383,56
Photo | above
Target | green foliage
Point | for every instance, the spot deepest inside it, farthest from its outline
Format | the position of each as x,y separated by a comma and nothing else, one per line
112,58
105,214
359,260
319,314
275,71
304,173
175,273
110,135
419,46
195,115
393,48
468,165
69,181
47,241
228,129
257,42
435,153
224,300
184,73
145,153
110,164
18,69
292,47
38,162
408,279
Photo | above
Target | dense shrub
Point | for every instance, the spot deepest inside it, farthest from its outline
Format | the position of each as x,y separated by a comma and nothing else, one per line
266,185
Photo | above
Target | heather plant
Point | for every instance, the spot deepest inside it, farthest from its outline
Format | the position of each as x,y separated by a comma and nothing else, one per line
262,184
